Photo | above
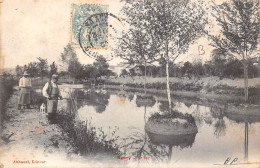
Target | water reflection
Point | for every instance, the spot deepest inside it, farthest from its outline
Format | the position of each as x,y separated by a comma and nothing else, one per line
220,125
246,120
145,101
182,141
131,112
172,129
97,98
164,106
138,145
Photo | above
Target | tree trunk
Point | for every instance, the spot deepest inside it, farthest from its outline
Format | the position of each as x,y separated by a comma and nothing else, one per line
145,77
246,142
170,153
245,81
168,86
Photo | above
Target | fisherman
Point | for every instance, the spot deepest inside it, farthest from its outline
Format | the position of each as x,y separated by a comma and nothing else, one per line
25,86
52,93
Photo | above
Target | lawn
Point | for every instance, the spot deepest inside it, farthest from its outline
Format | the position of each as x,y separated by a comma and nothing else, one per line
205,81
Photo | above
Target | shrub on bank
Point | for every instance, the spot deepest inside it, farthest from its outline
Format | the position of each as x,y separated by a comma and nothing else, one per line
174,114
85,138
162,86
7,82
253,92
112,83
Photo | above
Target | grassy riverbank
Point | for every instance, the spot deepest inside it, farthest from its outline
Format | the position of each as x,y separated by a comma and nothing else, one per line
7,83
64,142
208,87
85,138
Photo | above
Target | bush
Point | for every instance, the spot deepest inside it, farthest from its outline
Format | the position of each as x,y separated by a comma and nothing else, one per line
7,83
174,114
85,138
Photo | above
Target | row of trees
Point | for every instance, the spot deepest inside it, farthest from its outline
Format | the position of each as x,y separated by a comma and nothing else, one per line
162,30
74,69
39,68
69,66
227,68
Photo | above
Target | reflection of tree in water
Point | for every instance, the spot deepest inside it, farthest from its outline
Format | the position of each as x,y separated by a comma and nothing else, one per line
164,106
198,116
172,129
145,101
100,108
220,125
130,96
96,98
246,120
182,141
187,104
215,118
137,144
159,146
220,128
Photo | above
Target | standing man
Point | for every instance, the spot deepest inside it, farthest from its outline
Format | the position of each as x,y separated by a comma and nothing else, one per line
52,93
25,86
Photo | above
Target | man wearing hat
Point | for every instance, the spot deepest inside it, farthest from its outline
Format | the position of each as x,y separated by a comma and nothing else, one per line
52,93
25,86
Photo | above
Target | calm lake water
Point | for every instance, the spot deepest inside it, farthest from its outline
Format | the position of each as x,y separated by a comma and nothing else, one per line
219,136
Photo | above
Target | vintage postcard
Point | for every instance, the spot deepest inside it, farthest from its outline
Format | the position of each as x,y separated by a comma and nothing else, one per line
129,83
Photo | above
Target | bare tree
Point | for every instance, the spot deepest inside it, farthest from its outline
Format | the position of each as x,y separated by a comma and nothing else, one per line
239,36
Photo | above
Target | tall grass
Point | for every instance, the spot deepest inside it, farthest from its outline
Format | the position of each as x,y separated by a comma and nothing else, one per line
7,82
86,140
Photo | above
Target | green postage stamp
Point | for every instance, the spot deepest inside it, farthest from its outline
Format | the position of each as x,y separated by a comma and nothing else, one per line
89,25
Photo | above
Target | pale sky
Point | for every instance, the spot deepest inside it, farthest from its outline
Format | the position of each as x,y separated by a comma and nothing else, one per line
41,28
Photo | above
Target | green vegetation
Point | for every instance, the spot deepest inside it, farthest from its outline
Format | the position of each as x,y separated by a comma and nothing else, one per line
159,118
86,140
7,82
239,36
223,68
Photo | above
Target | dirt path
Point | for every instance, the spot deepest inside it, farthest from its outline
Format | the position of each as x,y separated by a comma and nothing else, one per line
33,138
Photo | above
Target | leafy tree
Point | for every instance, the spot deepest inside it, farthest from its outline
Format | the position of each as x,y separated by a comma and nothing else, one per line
93,72
132,72
102,66
219,60
138,45
176,24
32,69
187,68
233,68
42,67
197,69
70,62
74,69
239,36
110,73
53,68
123,72
19,70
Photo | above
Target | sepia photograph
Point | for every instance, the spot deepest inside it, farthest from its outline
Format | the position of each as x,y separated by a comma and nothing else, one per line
129,83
